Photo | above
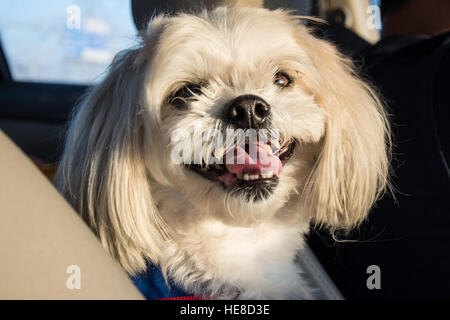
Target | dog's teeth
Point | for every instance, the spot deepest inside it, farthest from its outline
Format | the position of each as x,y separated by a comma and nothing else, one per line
254,177
267,175
246,177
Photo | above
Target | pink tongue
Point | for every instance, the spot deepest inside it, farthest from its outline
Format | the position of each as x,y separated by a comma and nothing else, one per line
263,164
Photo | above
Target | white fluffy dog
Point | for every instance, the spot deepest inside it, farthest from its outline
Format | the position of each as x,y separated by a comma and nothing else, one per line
225,230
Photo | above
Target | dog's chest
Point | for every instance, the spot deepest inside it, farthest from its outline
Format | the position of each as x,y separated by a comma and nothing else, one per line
259,260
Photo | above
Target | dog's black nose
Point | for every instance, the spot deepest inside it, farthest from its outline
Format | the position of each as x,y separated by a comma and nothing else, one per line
247,111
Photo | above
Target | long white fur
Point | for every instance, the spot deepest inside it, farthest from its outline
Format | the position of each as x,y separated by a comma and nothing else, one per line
117,172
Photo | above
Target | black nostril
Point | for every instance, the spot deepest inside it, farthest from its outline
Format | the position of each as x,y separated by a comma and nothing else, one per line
239,115
247,111
262,110
238,112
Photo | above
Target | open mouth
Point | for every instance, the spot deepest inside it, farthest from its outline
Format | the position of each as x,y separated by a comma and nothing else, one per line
254,169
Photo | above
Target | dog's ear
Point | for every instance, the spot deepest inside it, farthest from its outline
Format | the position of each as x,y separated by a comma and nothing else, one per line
352,169
102,171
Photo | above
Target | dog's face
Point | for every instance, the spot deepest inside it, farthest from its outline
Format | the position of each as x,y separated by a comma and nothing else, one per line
321,134
232,73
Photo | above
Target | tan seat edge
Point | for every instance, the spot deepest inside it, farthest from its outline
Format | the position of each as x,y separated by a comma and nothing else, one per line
46,250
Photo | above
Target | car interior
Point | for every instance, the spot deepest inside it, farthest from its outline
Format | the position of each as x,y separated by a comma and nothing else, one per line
34,114
40,233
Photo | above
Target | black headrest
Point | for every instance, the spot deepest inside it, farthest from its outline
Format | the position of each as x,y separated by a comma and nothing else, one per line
143,10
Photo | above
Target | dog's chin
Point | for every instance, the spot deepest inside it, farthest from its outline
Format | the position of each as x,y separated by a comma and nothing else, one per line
252,186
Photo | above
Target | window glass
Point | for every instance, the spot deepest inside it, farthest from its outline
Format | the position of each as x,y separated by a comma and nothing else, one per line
64,41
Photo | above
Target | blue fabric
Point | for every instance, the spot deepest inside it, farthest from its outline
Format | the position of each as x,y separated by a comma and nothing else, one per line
152,285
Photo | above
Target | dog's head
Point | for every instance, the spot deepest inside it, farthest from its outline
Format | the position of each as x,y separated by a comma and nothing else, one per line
234,114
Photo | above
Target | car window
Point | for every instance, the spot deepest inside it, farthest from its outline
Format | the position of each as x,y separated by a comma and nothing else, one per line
64,41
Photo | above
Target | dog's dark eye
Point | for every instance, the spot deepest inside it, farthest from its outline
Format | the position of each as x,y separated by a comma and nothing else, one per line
183,94
187,91
282,80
